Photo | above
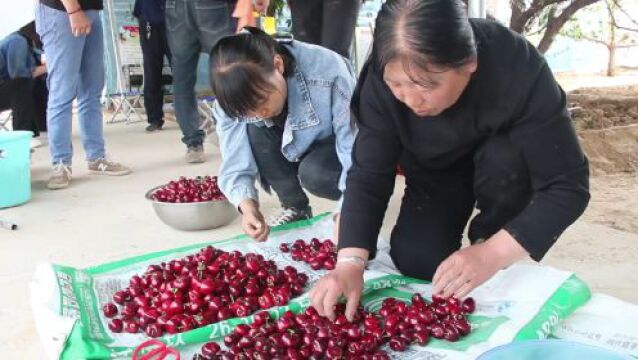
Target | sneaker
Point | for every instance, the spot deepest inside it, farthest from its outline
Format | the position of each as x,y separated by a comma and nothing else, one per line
104,166
154,127
195,154
288,215
60,177
36,143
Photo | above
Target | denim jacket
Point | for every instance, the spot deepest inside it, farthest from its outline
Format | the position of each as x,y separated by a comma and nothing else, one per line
17,59
319,95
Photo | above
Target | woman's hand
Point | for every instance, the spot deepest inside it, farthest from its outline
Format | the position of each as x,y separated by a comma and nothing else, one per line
252,221
470,267
345,280
80,24
39,71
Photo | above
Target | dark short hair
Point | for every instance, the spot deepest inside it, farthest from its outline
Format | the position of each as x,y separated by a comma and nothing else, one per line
423,33
240,66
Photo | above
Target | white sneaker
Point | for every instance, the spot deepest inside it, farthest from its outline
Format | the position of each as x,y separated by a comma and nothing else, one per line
60,177
288,215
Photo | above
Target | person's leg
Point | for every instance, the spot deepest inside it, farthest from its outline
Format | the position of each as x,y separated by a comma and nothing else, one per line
90,90
89,107
166,49
41,98
64,55
213,20
153,56
185,49
306,20
6,95
434,211
502,187
320,170
339,22
275,170
19,93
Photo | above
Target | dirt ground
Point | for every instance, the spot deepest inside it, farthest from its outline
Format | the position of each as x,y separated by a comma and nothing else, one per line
606,118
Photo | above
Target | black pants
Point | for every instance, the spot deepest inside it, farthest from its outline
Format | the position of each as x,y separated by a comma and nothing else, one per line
27,99
438,204
318,171
329,23
154,48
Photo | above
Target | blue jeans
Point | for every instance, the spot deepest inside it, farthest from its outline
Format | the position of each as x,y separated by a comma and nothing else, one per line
194,26
76,70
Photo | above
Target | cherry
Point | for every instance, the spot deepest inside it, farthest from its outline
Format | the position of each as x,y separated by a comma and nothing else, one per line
154,330
451,334
189,190
334,353
397,344
437,331
462,326
116,325
210,349
318,255
130,326
468,306
421,337
120,297
438,299
110,310
310,336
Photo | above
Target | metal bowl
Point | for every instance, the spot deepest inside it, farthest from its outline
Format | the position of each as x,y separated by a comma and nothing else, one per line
194,216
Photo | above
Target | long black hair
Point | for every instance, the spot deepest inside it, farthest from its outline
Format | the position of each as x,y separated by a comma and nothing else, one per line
423,33
29,32
240,67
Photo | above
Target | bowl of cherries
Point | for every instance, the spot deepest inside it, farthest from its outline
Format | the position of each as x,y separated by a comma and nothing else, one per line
192,204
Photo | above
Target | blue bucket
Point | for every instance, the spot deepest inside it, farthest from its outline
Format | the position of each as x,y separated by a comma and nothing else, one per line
15,167
550,350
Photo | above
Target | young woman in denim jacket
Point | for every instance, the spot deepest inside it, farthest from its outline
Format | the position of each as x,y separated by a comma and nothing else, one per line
283,116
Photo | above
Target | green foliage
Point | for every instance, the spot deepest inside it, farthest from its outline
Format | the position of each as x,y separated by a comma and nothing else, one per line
276,7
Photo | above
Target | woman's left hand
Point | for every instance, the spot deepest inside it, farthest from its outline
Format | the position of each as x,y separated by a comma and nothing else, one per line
470,267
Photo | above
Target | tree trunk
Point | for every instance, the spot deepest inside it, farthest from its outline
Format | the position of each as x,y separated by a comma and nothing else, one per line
555,23
517,22
611,46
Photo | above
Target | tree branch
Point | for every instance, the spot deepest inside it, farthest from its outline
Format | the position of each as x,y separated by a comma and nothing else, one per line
625,46
622,10
585,37
614,23
522,16
554,24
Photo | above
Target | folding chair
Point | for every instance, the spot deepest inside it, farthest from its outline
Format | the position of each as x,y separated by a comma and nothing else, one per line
129,104
5,120
205,109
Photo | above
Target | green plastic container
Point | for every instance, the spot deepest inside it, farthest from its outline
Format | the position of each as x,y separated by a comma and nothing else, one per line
550,350
15,167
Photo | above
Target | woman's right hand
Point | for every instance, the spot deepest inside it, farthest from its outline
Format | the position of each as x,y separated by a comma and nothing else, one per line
80,24
252,221
347,280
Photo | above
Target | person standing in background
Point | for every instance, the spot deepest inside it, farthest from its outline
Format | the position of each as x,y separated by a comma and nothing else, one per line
71,31
329,23
150,14
22,77
195,27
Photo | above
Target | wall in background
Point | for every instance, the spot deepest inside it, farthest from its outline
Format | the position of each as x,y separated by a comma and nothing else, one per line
15,13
